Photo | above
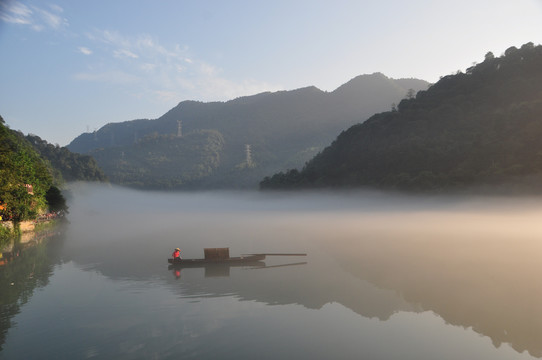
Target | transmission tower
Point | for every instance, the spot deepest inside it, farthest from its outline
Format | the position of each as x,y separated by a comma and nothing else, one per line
179,128
249,155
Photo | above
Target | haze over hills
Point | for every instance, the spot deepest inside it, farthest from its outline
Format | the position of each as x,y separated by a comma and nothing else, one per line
209,149
482,127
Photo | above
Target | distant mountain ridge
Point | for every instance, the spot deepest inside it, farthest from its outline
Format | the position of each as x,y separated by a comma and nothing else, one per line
283,129
478,128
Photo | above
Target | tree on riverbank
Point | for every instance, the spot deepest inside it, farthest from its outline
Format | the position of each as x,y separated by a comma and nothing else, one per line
56,201
25,179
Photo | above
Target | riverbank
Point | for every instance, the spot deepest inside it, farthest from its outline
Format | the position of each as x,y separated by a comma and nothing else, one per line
31,233
24,226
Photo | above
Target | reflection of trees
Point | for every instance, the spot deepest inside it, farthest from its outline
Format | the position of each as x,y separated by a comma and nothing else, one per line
312,285
489,284
319,282
28,268
492,286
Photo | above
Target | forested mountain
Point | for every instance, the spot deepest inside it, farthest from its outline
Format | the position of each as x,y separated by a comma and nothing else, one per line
179,161
282,130
481,127
70,166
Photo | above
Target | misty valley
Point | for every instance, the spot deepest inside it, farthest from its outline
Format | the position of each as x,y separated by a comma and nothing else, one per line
386,276
386,219
270,180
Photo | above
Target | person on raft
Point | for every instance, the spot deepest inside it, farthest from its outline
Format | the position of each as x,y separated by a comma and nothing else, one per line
176,254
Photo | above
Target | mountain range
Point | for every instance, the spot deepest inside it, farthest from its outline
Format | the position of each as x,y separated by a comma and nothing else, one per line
476,128
234,144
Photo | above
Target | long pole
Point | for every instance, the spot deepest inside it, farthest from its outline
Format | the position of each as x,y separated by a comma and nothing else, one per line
279,254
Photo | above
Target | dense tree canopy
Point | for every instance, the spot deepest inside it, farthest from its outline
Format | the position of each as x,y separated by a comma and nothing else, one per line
66,164
163,161
479,127
21,166
32,172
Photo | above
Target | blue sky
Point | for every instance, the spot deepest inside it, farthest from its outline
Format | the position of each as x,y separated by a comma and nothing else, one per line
69,66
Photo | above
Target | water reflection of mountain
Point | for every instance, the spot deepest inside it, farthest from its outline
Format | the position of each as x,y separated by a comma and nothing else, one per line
490,285
478,285
318,282
312,285
394,262
29,268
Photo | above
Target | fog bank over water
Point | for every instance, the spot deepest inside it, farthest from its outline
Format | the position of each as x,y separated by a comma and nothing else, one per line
268,221
473,261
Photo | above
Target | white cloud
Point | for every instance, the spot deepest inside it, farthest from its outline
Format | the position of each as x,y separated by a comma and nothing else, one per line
145,41
15,13
123,53
112,38
53,21
164,73
85,51
144,45
35,17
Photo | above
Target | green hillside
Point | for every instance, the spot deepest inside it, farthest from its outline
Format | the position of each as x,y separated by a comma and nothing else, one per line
283,129
67,165
32,172
180,161
481,127
25,178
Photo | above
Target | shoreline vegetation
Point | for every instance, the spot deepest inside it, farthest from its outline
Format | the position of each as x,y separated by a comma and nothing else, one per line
33,175
30,188
15,238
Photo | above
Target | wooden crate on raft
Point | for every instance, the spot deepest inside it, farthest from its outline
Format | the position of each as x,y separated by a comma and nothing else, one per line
216,253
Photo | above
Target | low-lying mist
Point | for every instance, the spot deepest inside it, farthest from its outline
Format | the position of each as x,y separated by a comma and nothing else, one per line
474,261
101,213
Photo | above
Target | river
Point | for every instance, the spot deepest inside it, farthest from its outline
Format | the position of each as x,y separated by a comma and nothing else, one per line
386,276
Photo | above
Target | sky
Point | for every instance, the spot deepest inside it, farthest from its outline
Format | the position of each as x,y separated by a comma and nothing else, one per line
72,66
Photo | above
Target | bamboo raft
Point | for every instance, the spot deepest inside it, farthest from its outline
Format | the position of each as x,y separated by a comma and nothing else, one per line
221,256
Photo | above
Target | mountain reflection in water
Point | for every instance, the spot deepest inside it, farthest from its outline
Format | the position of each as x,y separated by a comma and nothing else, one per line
472,262
479,271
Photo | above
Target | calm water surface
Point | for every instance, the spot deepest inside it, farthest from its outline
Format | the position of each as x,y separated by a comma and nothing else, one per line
386,277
